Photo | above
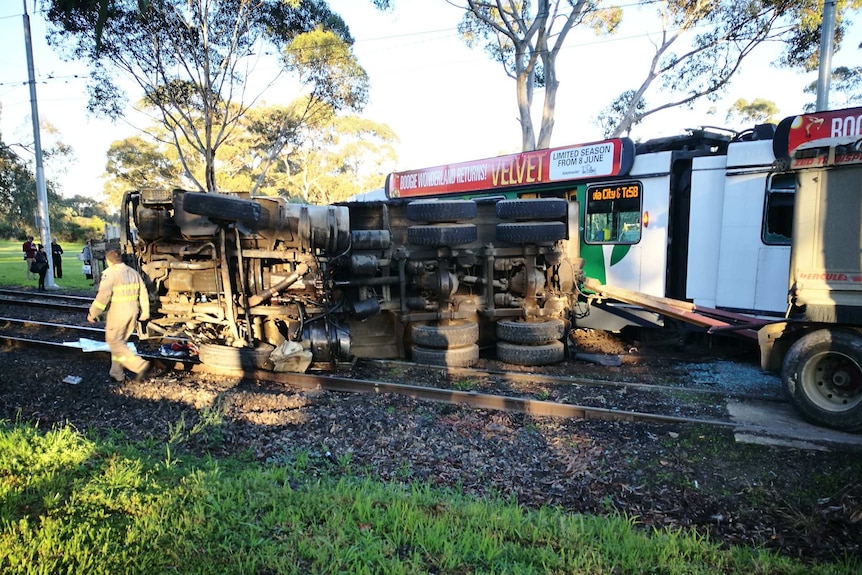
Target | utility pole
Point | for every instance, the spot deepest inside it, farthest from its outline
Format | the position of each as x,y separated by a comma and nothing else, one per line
827,34
41,189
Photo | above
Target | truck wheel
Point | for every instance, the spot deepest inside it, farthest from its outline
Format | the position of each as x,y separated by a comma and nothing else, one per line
531,232
545,354
445,336
442,235
441,211
822,375
464,356
542,330
221,207
532,209
227,357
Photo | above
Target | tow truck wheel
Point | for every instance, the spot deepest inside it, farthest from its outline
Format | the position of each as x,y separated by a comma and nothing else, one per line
822,375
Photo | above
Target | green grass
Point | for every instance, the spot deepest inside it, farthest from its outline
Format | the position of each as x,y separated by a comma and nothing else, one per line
74,504
13,271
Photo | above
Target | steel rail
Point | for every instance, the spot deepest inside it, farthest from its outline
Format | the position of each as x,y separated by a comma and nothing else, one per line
45,295
35,302
63,326
514,376
538,408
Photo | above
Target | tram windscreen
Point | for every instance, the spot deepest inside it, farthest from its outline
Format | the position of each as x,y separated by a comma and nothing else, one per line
613,213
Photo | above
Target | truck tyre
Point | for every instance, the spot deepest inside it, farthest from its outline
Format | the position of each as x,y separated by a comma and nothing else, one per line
544,354
464,356
227,357
531,232
456,334
542,330
532,209
431,211
221,207
442,235
822,375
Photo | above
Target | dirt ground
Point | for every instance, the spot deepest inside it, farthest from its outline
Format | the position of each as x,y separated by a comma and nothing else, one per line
801,503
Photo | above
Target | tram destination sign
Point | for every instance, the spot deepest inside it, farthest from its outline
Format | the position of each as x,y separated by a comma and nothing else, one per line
612,192
612,157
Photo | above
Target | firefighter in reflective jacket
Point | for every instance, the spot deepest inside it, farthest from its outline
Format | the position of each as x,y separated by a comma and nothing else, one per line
125,291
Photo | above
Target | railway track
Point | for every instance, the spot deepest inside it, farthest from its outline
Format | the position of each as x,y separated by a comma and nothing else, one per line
336,383
531,393
54,320
45,300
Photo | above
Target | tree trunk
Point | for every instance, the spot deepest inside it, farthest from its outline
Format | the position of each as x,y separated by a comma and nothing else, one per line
550,102
523,87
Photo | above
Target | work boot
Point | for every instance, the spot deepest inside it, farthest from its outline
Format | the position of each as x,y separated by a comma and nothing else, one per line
143,373
116,372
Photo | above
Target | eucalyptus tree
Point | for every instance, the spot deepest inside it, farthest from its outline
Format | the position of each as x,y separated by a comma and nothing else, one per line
701,45
845,88
202,64
526,39
326,159
139,162
757,111
346,155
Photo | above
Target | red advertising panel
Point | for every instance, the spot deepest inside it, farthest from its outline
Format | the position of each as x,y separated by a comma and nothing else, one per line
584,161
794,131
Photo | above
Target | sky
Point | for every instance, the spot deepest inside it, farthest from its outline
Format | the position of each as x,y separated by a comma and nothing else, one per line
446,102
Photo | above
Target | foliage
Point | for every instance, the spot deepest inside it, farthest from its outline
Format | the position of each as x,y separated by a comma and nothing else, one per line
17,193
758,111
19,205
845,88
322,161
194,60
526,40
701,46
139,162
609,118
345,156
802,44
73,504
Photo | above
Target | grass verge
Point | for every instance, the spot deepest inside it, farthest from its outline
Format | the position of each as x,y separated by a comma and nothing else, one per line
75,504
13,268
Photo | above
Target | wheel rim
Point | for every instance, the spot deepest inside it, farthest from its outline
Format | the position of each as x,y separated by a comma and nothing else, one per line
833,381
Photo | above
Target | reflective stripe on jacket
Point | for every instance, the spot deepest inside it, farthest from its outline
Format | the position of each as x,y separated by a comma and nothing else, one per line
122,288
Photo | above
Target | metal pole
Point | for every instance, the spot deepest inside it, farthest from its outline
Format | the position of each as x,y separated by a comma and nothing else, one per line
827,34
41,190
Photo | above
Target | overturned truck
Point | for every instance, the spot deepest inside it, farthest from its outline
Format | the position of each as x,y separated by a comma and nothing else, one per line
431,280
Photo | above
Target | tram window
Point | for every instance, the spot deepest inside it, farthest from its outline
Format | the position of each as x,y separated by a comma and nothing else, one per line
778,214
614,222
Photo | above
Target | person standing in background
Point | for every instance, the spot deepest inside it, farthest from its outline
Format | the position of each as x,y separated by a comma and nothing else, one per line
29,249
40,265
57,258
